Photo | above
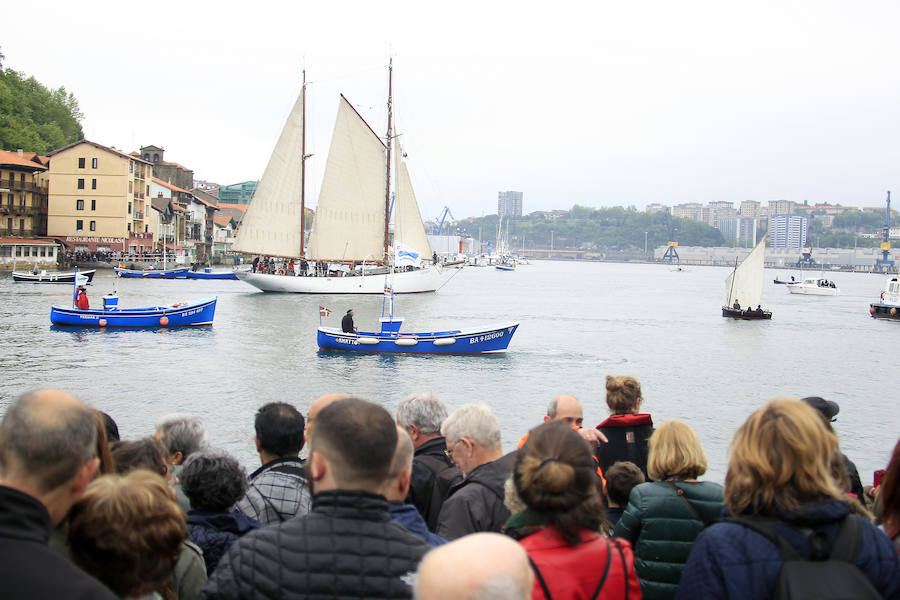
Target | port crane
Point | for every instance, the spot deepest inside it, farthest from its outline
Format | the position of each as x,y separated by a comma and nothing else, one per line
439,227
884,263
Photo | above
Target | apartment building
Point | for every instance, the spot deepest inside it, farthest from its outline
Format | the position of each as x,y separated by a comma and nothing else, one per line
788,231
23,194
99,199
167,171
657,208
194,232
509,204
688,210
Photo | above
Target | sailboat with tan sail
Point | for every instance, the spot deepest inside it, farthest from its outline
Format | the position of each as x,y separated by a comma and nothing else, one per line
350,245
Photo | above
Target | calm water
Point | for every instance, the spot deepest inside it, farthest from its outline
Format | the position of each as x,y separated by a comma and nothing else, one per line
579,322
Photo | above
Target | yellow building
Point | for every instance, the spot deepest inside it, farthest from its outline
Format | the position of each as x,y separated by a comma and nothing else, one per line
99,199
23,194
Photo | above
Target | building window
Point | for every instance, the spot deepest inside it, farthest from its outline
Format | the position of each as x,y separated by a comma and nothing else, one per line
94,183
129,228
93,225
10,198
130,187
93,163
148,190
9,225
22,199
146,228
18,249
79,205
81,184
27,251
131,166
93,205
79,225
156,158
22,229
129,208
81,163
22,178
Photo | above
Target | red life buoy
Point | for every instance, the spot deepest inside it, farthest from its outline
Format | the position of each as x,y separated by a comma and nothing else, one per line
164,320
177,304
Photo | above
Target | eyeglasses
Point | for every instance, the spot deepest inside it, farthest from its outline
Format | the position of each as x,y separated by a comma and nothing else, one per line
448,451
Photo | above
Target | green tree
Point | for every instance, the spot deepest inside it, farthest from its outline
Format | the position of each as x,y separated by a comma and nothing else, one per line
33,117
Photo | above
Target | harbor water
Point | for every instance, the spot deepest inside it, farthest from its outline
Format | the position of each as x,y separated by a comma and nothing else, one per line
579,322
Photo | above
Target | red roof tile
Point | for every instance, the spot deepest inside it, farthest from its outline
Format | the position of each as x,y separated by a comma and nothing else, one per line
30,241
28,159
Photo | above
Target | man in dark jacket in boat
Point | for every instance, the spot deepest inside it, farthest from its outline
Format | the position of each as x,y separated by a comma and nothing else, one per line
347,323
278,490
475,503
47,457
348,546
433,473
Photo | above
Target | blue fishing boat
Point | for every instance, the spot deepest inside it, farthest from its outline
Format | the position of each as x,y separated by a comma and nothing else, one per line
210,274
484,340
507,266
180,314
176,273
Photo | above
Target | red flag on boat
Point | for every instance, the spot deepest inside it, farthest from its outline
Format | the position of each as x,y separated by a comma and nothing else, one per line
324,312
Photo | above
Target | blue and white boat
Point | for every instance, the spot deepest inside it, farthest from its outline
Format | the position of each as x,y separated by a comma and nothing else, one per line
176,273
210,274
483,340
180,314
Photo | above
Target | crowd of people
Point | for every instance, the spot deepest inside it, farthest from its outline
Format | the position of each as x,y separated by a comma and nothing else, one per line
425,504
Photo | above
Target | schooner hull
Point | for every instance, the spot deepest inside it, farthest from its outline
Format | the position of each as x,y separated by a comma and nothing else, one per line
405,282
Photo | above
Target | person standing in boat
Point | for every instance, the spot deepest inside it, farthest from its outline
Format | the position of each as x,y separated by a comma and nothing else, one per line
737,305
81,299
347,322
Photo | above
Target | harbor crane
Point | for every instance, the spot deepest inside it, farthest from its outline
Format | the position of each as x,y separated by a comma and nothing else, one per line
439,227
884,263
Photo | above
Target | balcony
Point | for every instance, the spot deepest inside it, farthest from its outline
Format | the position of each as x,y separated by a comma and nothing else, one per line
139,215
26,186
15,232
18,209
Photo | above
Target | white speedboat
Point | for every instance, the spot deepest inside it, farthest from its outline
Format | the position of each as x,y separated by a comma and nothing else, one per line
815,286
889,301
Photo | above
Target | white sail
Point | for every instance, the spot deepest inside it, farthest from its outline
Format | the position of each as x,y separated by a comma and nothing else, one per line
272,222
408,227
745,284
349,222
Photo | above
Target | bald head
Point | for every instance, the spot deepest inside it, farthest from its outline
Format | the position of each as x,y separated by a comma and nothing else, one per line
567,409
485,565
318,405
46,436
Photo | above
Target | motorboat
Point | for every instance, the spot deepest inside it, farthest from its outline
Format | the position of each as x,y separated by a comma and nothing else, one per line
888,306
44,276
174,273
210,274
180,314
815,286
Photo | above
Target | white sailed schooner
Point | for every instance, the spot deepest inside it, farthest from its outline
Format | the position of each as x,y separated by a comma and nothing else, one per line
350,249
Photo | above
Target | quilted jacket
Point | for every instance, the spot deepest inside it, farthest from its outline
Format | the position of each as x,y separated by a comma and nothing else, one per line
662,528
215,532
347,547
731,561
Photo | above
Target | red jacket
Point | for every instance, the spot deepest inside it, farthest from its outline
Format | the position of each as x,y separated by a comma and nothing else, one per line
573,572
81,301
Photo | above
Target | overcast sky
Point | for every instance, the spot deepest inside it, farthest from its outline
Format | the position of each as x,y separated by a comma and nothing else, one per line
591,103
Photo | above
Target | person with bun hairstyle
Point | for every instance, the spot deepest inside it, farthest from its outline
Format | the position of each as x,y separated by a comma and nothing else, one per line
664,517
781,473
627,429
560,528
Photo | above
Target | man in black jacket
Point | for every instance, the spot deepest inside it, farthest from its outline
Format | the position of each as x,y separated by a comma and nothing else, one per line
433,473
475,503
347,323
348,546
47,457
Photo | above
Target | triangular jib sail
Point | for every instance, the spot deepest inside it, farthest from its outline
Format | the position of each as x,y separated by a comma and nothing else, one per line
349,223
745,284
272,222
408,227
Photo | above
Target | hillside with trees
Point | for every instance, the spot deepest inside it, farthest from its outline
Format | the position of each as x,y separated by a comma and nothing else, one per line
33,117
583,227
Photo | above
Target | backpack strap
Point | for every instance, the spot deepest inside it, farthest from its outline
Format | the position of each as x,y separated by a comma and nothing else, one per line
849,539
605,570
845,547
765,527
540,578
681,495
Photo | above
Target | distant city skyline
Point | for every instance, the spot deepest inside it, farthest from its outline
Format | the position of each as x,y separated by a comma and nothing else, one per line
608,104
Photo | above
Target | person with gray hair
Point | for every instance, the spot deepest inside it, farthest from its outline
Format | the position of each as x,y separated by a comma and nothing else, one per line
473,444
213,481
182,435
486,566
433,473
47,459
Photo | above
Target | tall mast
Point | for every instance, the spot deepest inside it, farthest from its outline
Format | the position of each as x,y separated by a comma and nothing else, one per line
387,187
303,168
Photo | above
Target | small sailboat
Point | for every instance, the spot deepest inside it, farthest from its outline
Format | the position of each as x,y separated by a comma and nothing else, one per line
744,287
349,243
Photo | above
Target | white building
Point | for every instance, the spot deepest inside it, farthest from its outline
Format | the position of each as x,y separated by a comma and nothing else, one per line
509,204
788,231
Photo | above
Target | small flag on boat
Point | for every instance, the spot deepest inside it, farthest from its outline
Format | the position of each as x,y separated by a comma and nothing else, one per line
324,312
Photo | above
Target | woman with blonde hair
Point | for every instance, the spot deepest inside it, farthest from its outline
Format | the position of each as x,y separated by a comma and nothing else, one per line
127,532
664,516
627,429
780,481
560,527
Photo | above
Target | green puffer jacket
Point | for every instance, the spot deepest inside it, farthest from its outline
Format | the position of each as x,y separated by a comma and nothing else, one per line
662,528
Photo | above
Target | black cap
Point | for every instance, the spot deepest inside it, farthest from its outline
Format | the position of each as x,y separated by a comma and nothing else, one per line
828,408
349,310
